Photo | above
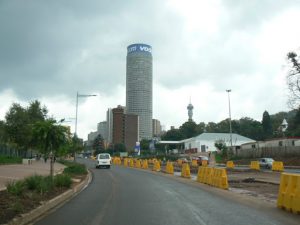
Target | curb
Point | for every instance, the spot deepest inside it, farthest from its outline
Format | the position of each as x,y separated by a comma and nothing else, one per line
48,205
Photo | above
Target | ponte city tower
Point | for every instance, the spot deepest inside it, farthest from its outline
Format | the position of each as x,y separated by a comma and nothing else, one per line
139,86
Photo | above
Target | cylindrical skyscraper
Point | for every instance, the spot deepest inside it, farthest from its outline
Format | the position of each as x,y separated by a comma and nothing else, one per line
139,86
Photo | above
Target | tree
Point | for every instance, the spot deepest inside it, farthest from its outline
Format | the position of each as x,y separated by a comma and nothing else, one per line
49,137
212,127
267,125
251,128
19,122
98,144
201,128
221,146
144,144
294,125
293,79
173,135
188,129
17,127
120,147
2,132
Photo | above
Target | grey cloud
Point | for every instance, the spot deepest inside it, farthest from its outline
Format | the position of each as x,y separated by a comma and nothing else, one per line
53,47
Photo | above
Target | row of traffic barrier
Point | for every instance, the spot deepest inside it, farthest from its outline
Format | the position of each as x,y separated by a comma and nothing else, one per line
289,192
213,176
254,165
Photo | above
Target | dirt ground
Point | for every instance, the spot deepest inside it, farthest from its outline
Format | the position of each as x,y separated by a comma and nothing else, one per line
260,184
263,185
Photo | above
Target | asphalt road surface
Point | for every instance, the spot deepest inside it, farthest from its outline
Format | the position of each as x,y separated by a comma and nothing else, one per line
126,196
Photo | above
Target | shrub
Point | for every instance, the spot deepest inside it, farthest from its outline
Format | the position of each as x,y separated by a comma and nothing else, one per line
17,206
33,182
10,159
62,180
45,185
76,169
16,187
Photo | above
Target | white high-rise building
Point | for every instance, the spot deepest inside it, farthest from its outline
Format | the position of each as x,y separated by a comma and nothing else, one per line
109,125
139,86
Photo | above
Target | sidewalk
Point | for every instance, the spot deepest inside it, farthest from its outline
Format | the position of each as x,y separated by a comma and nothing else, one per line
14,172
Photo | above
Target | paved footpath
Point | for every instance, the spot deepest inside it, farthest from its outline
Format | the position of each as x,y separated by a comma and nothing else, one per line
14,172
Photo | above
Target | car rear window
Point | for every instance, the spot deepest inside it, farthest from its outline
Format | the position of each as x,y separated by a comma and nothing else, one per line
105,156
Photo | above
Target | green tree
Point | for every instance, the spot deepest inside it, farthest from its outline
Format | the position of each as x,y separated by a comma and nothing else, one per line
2,132
188,129
119,147
267,125
17,127
294,125
144,144
98,144
49,137
201,128
293,79
19,122
212,127
251,128
221,146
173,135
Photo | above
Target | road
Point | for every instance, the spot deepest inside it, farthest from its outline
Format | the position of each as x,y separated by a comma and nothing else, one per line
121,196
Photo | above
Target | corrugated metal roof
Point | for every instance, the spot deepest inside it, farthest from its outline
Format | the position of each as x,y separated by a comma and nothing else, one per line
220,136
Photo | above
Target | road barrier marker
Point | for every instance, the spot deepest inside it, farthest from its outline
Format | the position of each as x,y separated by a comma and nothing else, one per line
230,164
277,166
254,165
169,168
289,192
185,171
156,166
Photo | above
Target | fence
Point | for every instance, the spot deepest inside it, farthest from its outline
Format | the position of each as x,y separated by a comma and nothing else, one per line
10,151
284,151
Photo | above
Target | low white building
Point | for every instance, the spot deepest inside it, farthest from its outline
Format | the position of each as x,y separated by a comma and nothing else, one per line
205,142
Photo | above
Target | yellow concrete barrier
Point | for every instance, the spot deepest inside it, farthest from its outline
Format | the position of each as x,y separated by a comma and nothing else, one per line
277,166
156,166
145,164
213,176
230,164
219,178
138,164
254,165
185,171
204,163
117,161
194,163
289,192
131,163
169,168
126,162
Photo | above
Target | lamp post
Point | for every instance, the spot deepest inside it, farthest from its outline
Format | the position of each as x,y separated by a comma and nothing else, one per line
230,129
79,96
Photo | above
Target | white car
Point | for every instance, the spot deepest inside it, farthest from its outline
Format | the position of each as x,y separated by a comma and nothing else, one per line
103,160
266,163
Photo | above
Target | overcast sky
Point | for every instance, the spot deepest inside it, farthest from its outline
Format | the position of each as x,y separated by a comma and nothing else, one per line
49,50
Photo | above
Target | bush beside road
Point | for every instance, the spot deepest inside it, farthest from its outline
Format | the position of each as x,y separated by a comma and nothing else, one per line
23,195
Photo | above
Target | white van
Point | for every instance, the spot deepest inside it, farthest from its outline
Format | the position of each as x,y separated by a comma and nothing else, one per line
103,160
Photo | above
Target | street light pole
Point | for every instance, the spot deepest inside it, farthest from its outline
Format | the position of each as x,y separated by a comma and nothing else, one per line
76,118
230,128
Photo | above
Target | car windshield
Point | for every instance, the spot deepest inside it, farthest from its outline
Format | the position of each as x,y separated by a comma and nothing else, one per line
104,156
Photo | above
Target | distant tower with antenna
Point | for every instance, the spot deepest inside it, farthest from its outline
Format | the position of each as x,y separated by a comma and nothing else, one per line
190,108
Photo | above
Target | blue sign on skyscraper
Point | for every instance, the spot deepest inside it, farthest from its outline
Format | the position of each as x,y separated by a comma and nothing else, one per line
139,48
